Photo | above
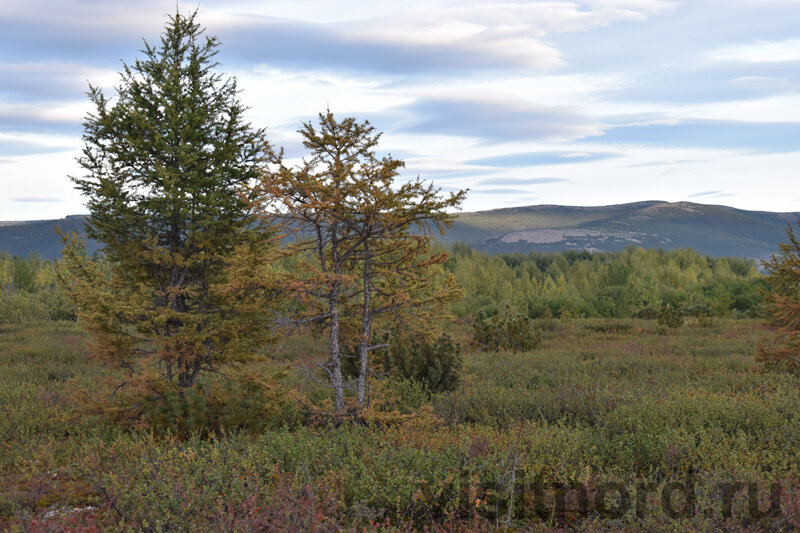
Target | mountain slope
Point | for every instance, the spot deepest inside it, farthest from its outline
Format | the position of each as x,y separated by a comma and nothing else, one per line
22,238
709,229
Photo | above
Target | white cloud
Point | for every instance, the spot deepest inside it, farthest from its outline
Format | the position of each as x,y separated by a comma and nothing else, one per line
56,113
106,16
492,32
763,52
781,108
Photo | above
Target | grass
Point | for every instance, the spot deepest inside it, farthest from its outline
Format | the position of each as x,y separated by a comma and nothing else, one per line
624,409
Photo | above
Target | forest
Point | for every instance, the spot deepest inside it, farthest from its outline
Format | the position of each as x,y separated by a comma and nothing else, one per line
635,283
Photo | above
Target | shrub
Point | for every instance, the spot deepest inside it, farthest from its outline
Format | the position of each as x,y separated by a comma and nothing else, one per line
670,316
245,401
403,395
436,365
20,308
505,331
705,318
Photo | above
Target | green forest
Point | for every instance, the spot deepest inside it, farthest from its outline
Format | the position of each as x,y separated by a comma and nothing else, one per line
628,284
634,283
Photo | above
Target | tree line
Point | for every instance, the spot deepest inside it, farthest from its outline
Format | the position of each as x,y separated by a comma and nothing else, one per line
627,284
29,291
633,283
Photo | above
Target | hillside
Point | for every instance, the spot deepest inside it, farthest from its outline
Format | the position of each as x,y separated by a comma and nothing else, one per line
709,229
22,238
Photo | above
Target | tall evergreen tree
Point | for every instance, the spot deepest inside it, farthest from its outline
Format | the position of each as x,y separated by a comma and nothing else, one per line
167,166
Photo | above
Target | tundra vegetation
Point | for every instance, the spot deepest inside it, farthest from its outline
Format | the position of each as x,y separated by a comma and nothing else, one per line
200,373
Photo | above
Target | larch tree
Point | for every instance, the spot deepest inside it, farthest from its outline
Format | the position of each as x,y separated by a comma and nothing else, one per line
783,302
365,240
183,286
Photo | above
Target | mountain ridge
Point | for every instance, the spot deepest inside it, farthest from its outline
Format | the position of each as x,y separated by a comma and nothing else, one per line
710,229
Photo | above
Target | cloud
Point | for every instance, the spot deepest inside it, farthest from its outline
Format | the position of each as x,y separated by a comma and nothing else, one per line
754,137
634,9
708,83
43,117
7,161
449,189
763,52
666,162
50,80
710,194
706,193
298,45
95,31
491,117
500,191
38,41
34,199
394,38
678,57
522,181
524,201
526,159
10,147
444,174
427,38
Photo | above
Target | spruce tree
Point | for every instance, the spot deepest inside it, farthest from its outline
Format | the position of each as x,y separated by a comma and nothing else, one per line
183,284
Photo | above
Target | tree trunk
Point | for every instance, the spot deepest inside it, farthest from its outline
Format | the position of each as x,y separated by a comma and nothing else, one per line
366,330
335,364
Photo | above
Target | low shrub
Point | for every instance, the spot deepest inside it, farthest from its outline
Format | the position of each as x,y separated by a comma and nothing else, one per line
237,401
403,395
703,314
436,365
20,308
505,331
670,316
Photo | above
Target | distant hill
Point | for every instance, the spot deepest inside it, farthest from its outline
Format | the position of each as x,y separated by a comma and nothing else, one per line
22,238
709,229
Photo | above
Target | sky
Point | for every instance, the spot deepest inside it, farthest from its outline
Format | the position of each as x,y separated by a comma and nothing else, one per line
581,102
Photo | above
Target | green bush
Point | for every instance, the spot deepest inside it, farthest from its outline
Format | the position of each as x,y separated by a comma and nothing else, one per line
436,365
505,331
403,395
703,314
670,316
247,401
21,308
